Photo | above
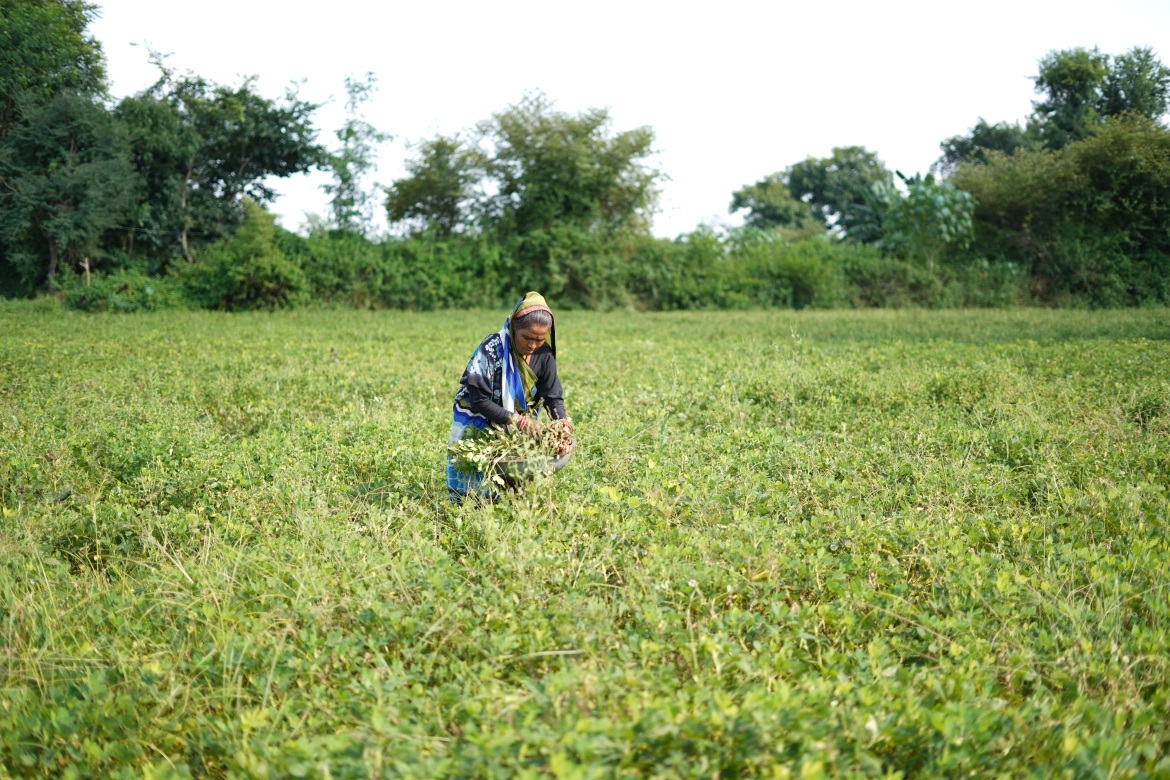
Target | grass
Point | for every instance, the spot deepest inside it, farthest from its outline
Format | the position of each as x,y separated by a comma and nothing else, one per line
789,544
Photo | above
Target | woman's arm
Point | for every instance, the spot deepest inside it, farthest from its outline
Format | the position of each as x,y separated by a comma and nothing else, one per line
548,384
479,380
482,404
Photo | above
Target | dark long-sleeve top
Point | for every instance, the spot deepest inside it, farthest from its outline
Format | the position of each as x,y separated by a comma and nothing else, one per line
482,381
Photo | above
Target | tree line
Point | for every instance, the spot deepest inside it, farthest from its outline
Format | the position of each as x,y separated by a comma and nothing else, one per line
159,199
1073,201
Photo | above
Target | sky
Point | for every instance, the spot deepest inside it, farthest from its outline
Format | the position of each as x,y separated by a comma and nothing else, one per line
733,90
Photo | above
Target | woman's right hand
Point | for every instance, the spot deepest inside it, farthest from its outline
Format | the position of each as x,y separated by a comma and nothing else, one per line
529,425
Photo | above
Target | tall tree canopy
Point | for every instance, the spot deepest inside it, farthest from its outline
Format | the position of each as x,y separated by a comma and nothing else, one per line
550,168
833,188
64,181
531,168
1137,83
351,202
1079,89
1070,82
769,205
983,138
44,51
200,148
437,196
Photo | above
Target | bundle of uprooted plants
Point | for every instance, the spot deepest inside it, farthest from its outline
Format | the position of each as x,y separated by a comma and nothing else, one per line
504,453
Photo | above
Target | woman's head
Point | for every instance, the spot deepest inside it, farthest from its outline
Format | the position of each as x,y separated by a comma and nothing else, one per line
530,337
532,323
537,317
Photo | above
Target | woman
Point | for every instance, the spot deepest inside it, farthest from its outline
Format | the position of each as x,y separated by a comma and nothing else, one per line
510,374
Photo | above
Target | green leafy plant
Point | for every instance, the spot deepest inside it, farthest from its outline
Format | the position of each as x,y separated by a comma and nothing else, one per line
505,455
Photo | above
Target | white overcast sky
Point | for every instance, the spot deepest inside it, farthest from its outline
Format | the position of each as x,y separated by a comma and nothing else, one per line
734,90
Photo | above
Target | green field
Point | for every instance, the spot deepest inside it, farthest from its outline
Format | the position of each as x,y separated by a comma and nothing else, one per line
789,544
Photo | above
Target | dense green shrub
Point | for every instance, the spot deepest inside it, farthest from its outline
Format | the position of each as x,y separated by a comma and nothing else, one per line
339,266
583,269
12,281
426,273
650,267
874,280
748,269
124,291
246,271
1087,222
776,274
694,273
983,284
414,273
263,266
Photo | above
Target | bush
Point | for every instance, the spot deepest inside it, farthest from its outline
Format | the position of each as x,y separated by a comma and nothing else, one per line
1088,222
339,266
874,281
246,271
650,267
771,273
984,284
698,278
751,268
421,273
123,291
457,272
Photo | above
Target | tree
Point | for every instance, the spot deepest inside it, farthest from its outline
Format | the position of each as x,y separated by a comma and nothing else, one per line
161,146
1137,83
437,197
530,169
44,51
550,168
64,180
351,203
871,221
1071,81
561,189
770,205
836,185
1082,88
982,138
201,148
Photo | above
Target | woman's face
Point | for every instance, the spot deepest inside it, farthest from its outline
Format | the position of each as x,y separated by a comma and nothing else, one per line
530,339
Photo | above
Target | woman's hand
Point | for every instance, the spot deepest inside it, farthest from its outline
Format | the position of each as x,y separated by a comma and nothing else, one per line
529,425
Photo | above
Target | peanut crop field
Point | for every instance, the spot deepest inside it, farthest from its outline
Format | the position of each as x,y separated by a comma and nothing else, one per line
788,544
